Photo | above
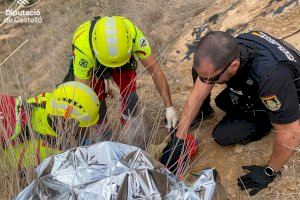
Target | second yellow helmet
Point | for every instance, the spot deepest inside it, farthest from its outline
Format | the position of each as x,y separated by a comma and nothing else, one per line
74,100
112,42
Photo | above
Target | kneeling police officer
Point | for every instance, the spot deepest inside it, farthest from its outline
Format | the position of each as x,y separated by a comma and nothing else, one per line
262,76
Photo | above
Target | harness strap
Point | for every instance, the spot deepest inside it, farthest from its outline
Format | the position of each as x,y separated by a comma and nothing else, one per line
93,23
133,40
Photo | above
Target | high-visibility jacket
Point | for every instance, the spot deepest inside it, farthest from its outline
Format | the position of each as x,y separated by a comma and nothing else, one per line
19,147
84,58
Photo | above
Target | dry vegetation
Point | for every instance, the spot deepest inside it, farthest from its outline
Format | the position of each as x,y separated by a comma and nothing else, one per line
42,63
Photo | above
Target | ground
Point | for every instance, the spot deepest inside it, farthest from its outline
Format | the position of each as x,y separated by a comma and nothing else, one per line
172,27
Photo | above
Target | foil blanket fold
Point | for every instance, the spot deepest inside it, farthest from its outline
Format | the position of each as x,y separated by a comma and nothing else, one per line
110,170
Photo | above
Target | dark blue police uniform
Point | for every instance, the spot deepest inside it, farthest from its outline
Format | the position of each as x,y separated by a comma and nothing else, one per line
265,90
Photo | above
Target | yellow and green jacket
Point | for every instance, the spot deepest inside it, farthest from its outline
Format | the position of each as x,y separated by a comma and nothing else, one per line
83,51
20,146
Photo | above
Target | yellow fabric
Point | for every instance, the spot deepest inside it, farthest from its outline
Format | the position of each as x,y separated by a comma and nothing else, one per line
12,154
141,47
46,151
18,127
84,105
84,60
42,98
39,122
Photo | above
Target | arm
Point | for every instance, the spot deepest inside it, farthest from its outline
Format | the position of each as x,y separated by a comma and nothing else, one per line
279,94
173,153
82,67
199,92
282,91
287,139
159,79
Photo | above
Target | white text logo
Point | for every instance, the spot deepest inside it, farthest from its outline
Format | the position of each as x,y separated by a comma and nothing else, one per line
28,16
279,46
23,2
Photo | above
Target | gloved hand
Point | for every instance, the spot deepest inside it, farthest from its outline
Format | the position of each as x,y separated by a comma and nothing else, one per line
171,117
256,180
178,152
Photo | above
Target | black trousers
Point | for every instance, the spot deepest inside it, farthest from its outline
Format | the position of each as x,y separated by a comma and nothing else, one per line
237,126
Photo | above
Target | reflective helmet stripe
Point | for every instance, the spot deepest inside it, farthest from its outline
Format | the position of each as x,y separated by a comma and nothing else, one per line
111,36
73,111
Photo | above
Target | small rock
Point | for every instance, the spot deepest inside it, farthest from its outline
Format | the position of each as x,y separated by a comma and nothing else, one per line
239,148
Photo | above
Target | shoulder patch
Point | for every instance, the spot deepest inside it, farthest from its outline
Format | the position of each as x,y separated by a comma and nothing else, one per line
271,102
83,62
143,42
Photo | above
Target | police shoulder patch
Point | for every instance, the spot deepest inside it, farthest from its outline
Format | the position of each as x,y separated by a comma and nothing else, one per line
271,102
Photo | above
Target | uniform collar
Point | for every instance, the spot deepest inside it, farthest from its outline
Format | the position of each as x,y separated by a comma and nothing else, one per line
243,71
244,60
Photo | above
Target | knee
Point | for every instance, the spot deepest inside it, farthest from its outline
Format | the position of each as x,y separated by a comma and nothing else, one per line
221,138
235,131
230,131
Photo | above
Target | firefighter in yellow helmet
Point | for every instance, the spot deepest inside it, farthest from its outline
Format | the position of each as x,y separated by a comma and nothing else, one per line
47,115
107,47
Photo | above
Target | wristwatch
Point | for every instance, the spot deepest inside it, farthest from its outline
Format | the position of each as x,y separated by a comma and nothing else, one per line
269,171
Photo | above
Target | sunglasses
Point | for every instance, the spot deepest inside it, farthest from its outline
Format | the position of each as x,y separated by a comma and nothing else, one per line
215,78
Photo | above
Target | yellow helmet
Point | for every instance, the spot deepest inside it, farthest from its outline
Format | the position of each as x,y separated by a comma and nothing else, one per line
112,42
74,100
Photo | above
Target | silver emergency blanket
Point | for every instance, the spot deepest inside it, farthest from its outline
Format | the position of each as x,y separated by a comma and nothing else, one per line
110,170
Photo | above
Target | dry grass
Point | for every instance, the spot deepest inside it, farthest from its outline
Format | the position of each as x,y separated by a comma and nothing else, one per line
42,63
